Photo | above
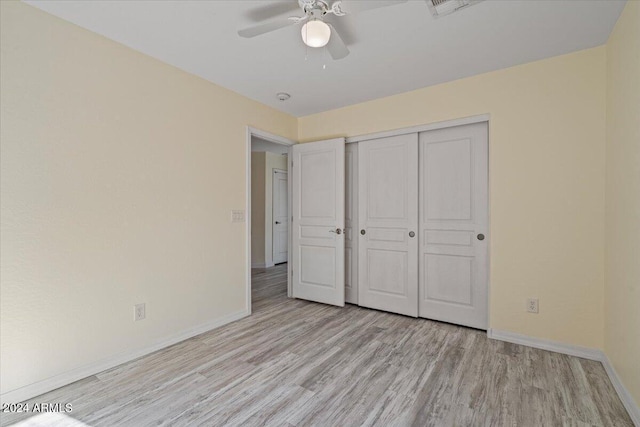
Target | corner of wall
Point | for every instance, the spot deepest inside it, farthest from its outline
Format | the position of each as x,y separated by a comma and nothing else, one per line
622,206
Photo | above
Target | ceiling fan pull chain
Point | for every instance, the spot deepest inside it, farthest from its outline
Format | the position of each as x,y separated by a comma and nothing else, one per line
324,57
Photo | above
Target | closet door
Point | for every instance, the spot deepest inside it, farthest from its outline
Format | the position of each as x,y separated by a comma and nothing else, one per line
351,224
453,225
388,221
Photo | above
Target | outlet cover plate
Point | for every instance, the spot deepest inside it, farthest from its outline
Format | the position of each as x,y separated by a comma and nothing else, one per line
139,312
532,305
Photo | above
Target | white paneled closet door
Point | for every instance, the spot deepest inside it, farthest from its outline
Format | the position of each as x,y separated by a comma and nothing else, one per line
317,201
388,222
351,224
454,225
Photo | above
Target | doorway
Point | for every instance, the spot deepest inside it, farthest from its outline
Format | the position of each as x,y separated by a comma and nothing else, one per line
267,208
280,215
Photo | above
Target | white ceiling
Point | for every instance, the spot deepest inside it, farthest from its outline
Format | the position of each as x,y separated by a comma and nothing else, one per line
393,50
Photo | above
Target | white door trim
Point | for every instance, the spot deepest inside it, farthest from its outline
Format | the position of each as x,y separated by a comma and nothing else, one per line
277,139
422,128
351,236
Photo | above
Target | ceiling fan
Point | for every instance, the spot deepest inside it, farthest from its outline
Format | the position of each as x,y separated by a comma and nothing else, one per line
316,31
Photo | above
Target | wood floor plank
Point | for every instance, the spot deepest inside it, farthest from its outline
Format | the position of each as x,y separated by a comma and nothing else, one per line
298,363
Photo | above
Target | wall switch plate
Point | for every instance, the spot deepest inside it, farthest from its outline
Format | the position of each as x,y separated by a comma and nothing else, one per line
139,312
532,305
237,216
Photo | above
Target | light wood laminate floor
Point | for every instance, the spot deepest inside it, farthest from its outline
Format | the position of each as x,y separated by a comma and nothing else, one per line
296,363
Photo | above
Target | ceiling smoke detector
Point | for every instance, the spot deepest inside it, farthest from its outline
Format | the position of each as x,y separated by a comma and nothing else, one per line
440,8
282,96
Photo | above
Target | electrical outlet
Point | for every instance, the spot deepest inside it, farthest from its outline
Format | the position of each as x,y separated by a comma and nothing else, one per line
532,305
139,312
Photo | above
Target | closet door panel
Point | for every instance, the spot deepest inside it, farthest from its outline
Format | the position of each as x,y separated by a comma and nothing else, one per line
454,225
388,217
351,224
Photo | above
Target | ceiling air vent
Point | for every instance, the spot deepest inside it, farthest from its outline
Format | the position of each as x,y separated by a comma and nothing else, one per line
445,7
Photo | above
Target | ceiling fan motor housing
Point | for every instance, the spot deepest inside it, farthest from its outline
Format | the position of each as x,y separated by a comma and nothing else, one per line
314,8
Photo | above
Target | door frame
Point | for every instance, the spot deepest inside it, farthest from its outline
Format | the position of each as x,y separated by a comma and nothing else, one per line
276,139
274,171
422,128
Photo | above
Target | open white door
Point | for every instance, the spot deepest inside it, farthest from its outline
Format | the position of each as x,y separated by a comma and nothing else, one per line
318,199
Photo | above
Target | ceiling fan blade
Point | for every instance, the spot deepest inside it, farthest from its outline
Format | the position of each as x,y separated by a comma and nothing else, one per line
272,10
357,6
265,28
336,47
343,25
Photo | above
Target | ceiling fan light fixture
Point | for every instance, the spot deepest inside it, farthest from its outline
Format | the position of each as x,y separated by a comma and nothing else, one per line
316,33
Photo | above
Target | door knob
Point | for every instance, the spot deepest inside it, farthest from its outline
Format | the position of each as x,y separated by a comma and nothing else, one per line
412,234
363,232
480,236
337,231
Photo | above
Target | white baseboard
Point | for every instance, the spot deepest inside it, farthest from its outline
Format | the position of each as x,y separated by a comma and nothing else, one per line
627,400
52,383
571,350
574,350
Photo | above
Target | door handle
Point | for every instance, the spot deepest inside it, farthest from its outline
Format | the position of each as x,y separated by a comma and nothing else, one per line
277,222
363,232
337,231
412,234
480,236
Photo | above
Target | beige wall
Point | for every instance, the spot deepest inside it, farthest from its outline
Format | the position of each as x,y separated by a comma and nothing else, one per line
622,291
258,205
119,174
273,161
547,134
